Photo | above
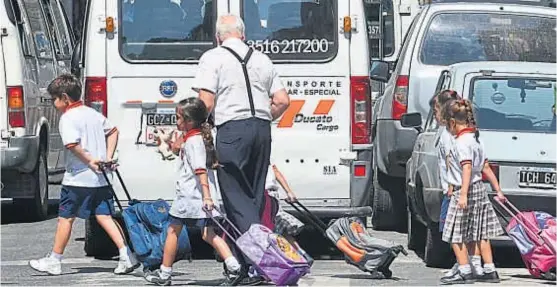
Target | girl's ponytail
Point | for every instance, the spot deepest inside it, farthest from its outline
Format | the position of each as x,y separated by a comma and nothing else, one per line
206,133
471,119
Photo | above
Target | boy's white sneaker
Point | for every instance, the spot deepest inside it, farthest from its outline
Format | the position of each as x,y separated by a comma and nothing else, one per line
126,265
48,265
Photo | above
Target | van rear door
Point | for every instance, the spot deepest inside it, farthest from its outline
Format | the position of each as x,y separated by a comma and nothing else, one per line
151,60
311,54
3,98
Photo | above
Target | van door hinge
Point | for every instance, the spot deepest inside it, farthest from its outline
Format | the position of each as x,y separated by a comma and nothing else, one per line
3,32
347,157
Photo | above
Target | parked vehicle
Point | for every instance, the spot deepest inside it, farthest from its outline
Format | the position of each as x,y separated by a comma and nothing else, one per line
514,105
36,46
138,58
440,35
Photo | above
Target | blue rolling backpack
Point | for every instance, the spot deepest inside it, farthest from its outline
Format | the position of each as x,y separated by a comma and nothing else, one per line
146,224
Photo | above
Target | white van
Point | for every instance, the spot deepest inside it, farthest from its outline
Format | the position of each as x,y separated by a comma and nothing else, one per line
36,46
139,57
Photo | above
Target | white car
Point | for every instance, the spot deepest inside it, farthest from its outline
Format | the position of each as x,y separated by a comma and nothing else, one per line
514,104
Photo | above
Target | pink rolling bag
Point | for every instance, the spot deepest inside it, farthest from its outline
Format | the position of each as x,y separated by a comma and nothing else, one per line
535,235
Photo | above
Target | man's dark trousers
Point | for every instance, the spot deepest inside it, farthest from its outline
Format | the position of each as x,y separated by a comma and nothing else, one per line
243,150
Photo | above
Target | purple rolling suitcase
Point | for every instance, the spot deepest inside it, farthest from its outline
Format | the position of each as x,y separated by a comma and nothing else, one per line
271,254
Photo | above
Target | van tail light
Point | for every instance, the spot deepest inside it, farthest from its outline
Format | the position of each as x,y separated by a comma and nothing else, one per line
400,100
16,107
95,94
495,169
360,109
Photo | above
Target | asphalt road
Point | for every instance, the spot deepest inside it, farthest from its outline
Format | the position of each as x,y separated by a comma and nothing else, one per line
22,241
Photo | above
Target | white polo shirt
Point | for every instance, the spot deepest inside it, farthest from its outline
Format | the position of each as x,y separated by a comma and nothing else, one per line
221,73
189,192
446,143
84,126
466,150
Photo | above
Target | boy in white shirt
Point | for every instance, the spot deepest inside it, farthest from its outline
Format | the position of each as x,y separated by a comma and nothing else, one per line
90,140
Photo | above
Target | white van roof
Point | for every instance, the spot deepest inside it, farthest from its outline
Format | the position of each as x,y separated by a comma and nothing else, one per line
541,3
504,67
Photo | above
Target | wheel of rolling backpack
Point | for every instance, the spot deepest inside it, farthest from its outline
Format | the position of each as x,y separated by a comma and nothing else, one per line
97,242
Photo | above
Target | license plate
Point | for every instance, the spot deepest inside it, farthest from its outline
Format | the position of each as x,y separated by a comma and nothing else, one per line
537,177
161,119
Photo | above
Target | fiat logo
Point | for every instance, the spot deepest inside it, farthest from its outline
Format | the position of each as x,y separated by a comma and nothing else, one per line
168,88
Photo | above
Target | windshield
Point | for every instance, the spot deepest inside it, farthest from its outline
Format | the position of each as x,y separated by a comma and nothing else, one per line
171,30
515,104
292,29
467,37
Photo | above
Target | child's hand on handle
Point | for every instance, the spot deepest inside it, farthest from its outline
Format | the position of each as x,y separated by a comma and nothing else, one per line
291,197
501,197
463,201
208,204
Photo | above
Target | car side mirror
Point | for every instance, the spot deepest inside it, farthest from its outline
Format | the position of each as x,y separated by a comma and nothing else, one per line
76,59
379,71
412,120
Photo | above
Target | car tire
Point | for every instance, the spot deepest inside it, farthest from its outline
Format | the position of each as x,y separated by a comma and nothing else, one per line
416,233
36,209
389,203
97,242
437,252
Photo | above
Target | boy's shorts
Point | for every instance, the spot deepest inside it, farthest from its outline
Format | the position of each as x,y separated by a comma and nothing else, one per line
83,202
191,222
444,209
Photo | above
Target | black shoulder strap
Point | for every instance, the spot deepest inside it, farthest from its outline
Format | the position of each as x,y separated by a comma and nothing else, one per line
244,63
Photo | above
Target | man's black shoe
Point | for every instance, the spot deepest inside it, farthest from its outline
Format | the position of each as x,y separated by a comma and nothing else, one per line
491,277
458,278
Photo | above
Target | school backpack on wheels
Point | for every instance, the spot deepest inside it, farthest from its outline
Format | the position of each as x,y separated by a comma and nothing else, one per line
146,224
535,236
360,248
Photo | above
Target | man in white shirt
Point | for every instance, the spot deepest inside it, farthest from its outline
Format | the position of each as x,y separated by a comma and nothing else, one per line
242,90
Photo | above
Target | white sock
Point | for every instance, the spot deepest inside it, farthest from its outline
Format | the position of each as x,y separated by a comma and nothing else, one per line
124,253
232,264
489,267
166,272
465,269
56,256
476,262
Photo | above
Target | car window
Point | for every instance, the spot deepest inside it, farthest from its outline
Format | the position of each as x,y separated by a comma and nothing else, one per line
62,29
54,33
38,29
469,37
515,104
372,13
25,37
176,30
431,124
292,30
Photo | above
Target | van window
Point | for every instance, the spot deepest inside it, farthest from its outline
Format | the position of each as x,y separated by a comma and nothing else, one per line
515,104
468,37
63,30
176,30
38,28
292,30
54,34
372,13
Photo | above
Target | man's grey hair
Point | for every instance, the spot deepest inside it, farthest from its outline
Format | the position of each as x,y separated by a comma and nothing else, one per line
226,29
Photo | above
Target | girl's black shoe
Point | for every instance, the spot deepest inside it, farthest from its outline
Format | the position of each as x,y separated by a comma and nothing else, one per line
458,278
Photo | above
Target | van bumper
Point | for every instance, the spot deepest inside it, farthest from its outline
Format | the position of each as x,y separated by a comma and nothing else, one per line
21,154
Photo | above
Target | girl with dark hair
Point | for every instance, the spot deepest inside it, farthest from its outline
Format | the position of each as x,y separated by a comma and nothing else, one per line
195,189
471,220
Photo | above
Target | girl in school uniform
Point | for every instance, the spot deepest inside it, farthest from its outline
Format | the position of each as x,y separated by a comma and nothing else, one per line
471,220
195,190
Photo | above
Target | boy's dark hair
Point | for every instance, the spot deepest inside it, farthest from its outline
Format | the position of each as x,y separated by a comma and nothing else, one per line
65,84
193,109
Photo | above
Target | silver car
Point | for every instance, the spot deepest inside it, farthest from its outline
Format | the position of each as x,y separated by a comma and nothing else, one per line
514,105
